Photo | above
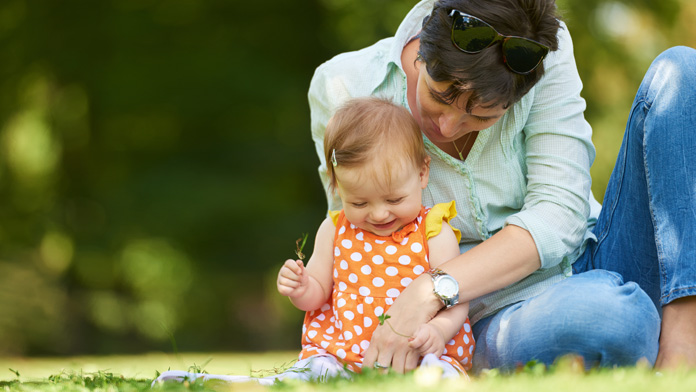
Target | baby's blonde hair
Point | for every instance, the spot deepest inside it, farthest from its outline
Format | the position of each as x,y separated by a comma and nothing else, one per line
373,131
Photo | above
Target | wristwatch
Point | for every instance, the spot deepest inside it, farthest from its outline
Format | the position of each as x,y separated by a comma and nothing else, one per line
445,287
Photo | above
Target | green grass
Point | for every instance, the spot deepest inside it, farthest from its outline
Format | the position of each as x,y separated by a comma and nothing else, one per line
134,373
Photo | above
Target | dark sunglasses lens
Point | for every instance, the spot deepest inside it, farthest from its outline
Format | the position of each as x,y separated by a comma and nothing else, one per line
523,55
471,35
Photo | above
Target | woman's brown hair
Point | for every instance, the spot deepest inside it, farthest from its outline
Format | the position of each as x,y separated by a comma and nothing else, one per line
485,74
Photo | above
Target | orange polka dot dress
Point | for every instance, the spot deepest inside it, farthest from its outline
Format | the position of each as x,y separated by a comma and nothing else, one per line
370,271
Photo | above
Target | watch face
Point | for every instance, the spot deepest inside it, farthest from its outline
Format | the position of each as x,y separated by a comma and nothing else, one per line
447,287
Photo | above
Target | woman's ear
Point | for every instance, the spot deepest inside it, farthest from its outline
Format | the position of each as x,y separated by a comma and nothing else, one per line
425,172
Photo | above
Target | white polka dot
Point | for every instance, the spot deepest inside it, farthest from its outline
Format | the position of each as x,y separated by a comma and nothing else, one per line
342,230
364,291
342,286
356,256
467,327
337,251
335,273
347,335
315,324
324,344
341,303
359,236
460,351
420,218
393,293
358,329
368,247
353,297
347,244
391,271
367,322
404,242
325,307
379,311
355,349
391,249
406,281
368,300
378,282
321,317
365,269
365,344
304,328
389,301
466,339
349,315
327,337
330,330
465,360
360,308
416,247
312,334
341,353
378,259
471,350
419,269
352,226
451,343
380,241
404,260
353,278
343,264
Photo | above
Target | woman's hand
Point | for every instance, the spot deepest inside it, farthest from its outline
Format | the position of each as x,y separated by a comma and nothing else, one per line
415,306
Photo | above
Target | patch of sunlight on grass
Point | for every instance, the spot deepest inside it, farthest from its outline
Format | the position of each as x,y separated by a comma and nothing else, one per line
104,373
143,366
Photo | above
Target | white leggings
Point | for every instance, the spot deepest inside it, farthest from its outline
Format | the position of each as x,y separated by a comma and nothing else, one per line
315,368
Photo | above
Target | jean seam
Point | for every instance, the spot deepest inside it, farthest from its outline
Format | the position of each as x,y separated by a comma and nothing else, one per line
658,244
665,298
622,170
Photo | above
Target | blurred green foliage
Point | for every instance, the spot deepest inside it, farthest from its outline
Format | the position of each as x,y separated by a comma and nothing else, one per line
156,166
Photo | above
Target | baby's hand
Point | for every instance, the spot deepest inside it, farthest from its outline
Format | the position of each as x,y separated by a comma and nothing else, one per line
428,339
292,279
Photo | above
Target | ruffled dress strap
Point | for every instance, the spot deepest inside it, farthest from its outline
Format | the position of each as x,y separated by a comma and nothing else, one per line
439,213
334,216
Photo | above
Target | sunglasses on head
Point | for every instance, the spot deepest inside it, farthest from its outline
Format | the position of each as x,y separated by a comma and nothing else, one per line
472,35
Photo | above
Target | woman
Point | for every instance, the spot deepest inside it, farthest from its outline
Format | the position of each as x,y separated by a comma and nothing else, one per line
503,122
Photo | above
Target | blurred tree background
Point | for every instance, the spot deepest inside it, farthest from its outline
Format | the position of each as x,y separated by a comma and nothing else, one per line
156,165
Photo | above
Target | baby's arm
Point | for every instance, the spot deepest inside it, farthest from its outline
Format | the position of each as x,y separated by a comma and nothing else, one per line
432,336
310,287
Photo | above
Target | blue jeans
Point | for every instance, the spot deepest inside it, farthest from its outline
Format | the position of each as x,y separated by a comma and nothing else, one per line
645,254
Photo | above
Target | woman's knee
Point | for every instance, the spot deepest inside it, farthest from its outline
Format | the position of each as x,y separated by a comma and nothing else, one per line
672,73
625,324
678,55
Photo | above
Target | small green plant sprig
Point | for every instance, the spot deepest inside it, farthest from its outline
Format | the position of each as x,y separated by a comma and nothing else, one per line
300,243
384,318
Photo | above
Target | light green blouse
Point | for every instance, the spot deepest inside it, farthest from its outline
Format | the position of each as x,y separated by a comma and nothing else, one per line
530,169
